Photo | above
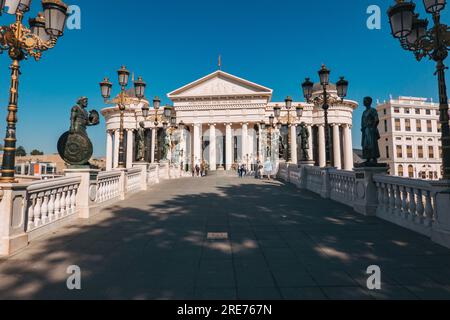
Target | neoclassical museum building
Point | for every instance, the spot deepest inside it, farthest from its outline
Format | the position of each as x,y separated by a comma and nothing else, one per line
225,120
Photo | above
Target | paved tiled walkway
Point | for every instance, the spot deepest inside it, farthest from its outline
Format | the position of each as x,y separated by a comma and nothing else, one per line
283,244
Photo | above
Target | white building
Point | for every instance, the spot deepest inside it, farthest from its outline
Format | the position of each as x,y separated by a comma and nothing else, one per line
410,137
229,110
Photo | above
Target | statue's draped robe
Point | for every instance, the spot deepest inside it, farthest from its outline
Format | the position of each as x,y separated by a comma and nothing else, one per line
370,134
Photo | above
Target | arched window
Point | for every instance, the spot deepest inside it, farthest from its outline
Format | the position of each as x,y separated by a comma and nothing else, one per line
400,171
411,171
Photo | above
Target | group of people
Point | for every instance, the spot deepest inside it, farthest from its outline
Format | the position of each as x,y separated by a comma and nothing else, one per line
200,169
261,170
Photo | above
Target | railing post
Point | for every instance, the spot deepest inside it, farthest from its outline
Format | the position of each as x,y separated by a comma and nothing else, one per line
326,187
441,228
87,192
366,194
13,222
144,168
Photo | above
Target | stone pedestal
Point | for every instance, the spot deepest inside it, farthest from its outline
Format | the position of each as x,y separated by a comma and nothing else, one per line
87,191
366,197
12,217
308,163
144,166
441,228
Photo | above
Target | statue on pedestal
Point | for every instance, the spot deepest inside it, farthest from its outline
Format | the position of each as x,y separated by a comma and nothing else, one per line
304,135
370,133
165,147
74,146
140,142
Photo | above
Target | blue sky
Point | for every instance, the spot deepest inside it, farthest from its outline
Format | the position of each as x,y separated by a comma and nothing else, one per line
171,43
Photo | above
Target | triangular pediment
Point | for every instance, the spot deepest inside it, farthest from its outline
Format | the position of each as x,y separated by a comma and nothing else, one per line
220,84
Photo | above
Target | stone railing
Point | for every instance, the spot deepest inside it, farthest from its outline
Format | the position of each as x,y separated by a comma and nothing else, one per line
134,179
108,186
31,209
342,186
418,205
406,202
50,201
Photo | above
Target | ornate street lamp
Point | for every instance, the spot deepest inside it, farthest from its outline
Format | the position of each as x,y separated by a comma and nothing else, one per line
21,42
122,100
415,36
325,100
288,121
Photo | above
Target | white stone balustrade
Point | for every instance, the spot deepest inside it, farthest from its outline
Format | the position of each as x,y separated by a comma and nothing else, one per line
51,200
133,178
342,186
406,202
108,186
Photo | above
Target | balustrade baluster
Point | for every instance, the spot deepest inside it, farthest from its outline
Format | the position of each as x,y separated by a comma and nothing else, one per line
398,201
51,206
62,202
31,204
68,208
44,208
405,204
420,207
412,204
37,211
429,211
58,204
391,199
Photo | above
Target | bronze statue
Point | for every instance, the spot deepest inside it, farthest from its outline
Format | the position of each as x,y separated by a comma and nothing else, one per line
370,133
165,145
304,135
140,142
74,146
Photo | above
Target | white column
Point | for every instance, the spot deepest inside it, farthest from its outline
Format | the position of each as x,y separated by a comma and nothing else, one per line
322,150
130,148
244,142
212,148
116,148
293,148
261,154
154,131
229,146
311,146
197,147
337,147
109,151
348,146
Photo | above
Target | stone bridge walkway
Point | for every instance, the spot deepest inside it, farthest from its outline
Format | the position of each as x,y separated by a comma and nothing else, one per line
283,244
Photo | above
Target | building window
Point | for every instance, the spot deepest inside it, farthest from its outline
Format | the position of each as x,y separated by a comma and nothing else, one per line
409,152
429,126
400,171
407,111
440,152
439,127
385,126
387,152
419,125
431,152
428,112
385,112
396,110
411,171
398,126
408,124
417,111
399,152
420,152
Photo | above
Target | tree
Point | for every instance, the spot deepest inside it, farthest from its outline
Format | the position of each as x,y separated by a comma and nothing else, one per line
36,153
20,152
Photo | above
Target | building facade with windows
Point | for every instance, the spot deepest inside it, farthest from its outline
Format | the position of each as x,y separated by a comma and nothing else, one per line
411,137
226,121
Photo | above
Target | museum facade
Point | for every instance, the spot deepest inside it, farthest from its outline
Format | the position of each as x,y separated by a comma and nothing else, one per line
225,120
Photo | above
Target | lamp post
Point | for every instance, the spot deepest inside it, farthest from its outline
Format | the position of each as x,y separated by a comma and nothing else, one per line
415,36
122,100
21,42
325,100
289,121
